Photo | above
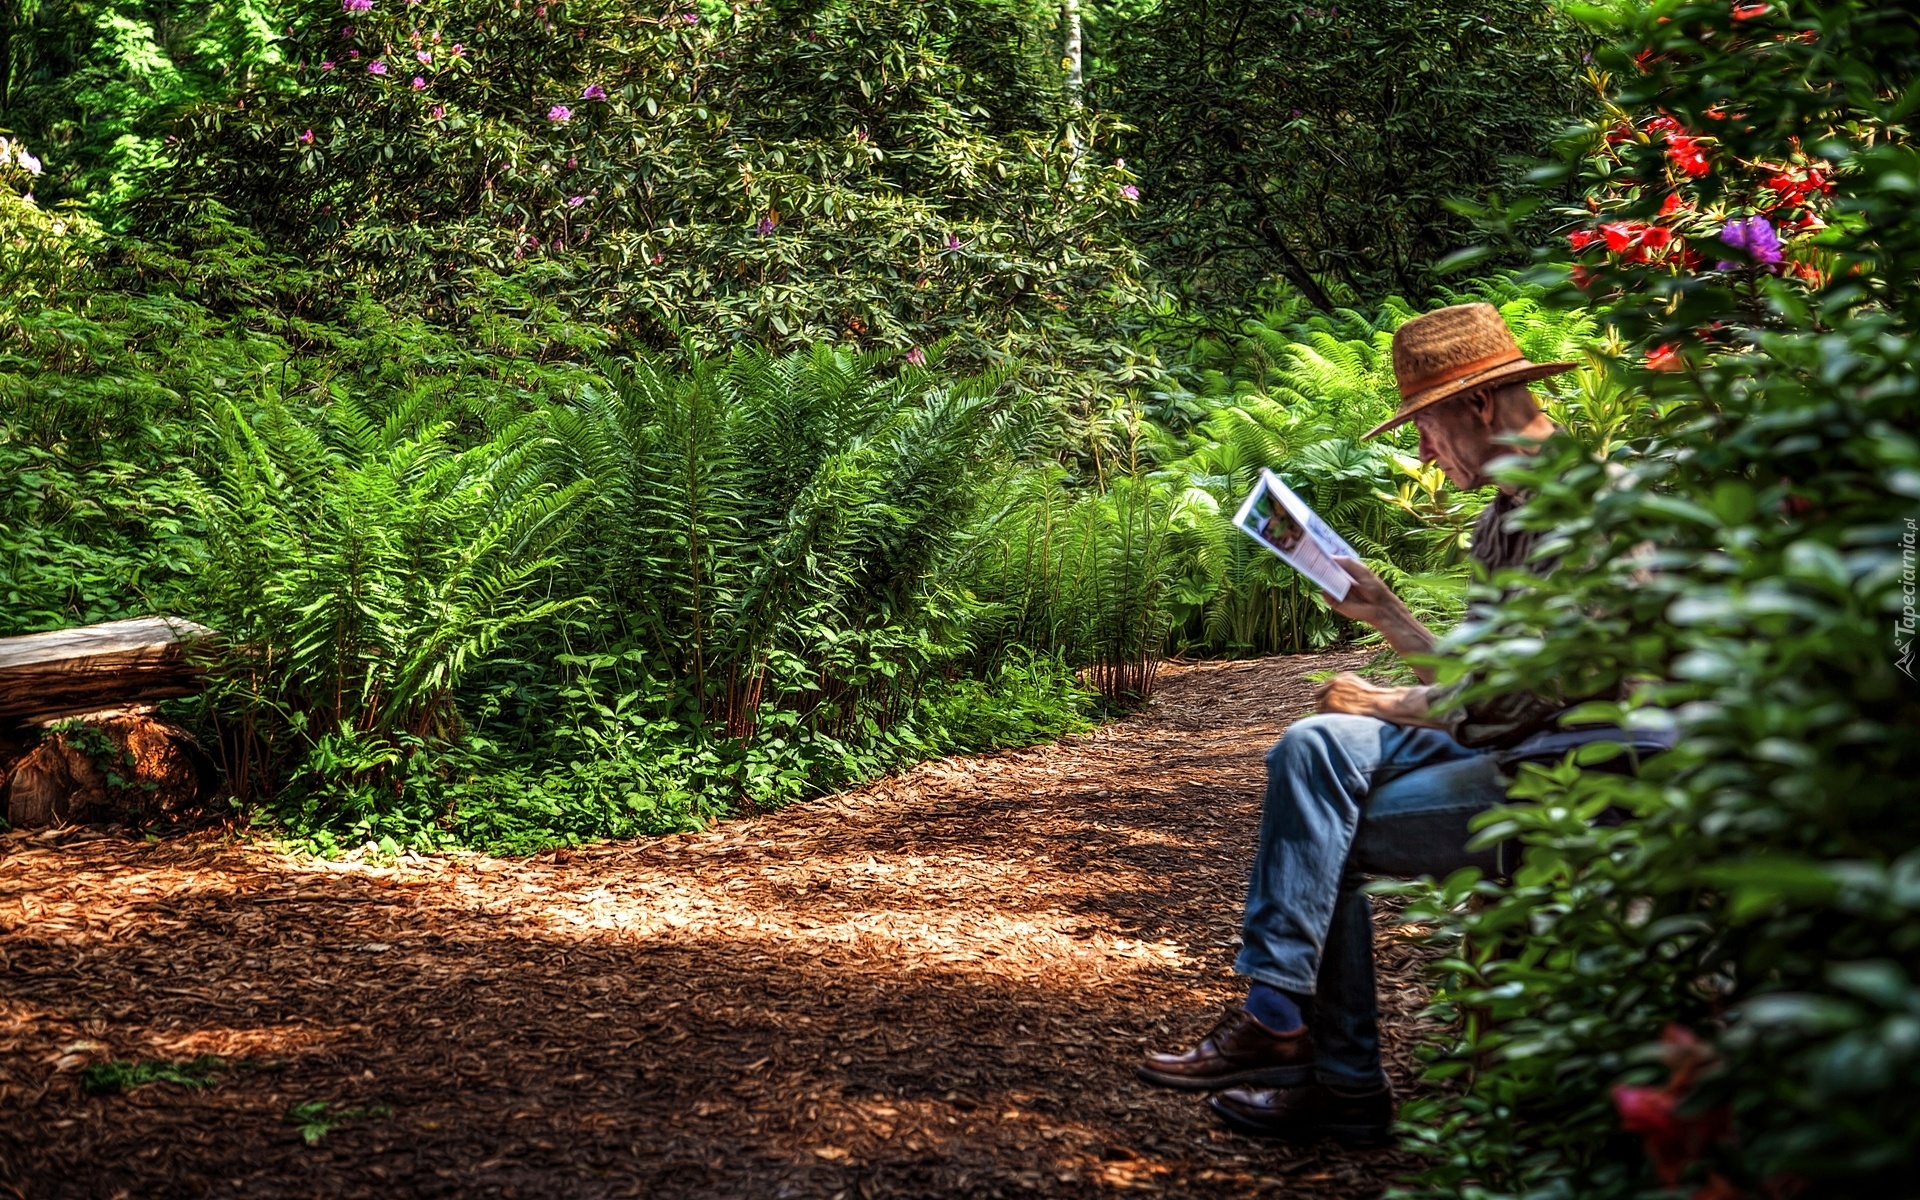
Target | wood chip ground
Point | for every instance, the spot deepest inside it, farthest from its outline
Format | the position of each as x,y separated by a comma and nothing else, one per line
935,986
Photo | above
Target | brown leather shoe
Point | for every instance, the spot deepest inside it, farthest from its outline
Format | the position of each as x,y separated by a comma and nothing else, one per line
1239,1050
1300,1113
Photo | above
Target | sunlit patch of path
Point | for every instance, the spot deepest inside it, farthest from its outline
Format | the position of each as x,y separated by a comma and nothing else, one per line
933,986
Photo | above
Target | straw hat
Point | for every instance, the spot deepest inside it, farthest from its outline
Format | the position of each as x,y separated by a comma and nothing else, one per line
1452,351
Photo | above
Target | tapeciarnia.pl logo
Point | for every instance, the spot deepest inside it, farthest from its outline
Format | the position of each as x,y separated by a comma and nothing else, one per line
1903,629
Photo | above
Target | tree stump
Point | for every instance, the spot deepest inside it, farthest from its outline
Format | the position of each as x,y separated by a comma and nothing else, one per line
127,767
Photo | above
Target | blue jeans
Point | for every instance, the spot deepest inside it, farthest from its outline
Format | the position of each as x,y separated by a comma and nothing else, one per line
1349,797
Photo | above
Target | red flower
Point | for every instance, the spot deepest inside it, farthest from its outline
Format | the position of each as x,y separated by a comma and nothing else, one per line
1672,204
1655,237
1621,132
1661,358
1672,1140
1684,152
1582,277
1749,9
1663,124
1619,234
1580,239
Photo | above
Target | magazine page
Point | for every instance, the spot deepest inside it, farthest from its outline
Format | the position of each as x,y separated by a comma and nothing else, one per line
1276,517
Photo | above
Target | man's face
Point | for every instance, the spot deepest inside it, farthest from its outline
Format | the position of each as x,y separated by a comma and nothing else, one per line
1458,434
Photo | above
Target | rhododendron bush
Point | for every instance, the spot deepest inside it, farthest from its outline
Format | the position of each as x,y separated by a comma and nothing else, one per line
872,172
1719,997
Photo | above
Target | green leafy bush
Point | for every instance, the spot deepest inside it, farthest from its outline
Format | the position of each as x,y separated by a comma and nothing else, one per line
1731,974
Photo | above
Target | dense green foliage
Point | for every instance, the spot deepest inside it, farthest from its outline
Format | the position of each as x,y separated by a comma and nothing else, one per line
1324,145
1731,975
89,85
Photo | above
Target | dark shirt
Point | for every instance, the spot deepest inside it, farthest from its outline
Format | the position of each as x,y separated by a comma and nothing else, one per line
1496,547
1499,721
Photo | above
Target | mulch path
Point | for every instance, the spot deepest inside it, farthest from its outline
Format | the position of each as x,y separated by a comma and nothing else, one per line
936,985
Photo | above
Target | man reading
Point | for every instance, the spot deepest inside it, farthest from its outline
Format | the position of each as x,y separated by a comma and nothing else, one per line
1374,784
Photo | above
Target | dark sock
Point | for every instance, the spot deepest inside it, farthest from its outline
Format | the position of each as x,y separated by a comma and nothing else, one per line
1277,1010
1350,1092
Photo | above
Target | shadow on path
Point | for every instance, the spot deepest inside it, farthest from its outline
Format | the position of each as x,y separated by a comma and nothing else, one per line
933,986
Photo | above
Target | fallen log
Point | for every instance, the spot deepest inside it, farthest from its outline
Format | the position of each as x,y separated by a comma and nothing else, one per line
71,672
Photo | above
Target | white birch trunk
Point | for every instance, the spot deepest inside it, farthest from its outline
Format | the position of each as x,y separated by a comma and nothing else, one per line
1070,62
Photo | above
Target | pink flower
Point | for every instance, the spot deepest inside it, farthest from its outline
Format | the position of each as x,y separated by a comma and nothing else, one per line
459,51
354,6
439,111
1129,192
953,242
690,18
917,357
354,54
376,67
594,92
559,114
419,84
575,201
422,56
306,139
327,65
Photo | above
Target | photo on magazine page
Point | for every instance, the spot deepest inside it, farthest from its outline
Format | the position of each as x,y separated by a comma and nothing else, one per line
1278,519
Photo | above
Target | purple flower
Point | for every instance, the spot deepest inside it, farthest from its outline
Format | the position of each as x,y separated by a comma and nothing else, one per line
575,201
594,92
422,56
439,110
353,54
376,67
346,31
690,18
917,357
766,225
559,114
953,241
1129,192
306,139
355,5
459,51
419,84
1755,236
327,65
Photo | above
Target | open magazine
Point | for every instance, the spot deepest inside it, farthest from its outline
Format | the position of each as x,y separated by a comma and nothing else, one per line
1281,521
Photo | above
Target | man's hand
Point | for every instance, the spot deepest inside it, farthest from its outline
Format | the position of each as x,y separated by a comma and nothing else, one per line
1348,693
1372,602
